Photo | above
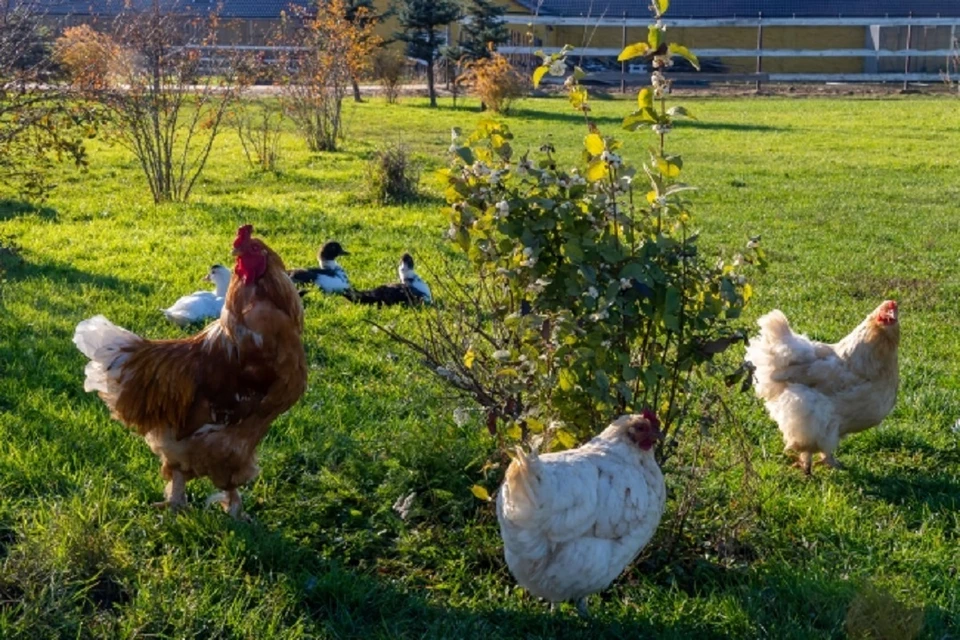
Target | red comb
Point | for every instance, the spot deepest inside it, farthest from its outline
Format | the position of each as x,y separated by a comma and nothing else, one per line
651,416
243,234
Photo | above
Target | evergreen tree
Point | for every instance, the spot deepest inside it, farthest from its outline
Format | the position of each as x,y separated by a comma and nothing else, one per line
420,21
484,26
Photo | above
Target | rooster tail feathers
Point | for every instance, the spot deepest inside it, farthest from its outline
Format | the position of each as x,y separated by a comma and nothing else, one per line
102,342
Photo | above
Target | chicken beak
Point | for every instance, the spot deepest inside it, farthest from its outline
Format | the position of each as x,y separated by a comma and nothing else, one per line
236,251
206,278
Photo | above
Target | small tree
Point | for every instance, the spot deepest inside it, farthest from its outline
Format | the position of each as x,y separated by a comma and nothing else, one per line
362,13
483,30
420,21
389,66
166,106
333,50
494,80
40,122
592,294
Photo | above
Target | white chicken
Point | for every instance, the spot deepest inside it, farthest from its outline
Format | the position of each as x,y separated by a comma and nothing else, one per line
818,393
572,521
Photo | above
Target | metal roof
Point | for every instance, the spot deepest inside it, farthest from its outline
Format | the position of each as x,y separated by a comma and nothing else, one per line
680,9
224,8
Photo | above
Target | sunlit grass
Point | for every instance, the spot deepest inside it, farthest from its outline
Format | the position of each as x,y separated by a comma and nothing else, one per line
855,201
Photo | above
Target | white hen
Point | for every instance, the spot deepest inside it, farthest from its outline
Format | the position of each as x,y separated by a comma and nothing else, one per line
818,393
572,521
201,305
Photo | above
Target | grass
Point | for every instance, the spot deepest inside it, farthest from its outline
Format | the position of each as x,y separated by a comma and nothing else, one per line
856,201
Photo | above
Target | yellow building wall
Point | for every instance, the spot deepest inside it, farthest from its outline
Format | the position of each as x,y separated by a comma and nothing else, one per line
728,38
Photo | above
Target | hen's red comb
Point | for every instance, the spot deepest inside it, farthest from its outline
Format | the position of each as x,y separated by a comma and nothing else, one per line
651,416
243,234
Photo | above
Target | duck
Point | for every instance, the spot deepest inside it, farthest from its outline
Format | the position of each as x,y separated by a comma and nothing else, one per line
411,289
201,305
329,277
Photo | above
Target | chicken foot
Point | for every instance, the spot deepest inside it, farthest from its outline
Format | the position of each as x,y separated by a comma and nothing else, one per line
830,461
805,462
175,493
231,502
582,607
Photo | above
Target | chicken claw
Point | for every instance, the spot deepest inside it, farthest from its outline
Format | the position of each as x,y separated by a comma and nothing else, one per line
830,461
175,493
582,607
805,462
231,502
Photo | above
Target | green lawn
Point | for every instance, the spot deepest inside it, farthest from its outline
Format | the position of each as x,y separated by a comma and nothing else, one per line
856,201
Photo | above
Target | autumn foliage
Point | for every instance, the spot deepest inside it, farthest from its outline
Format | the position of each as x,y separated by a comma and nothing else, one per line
335,49
494,81
92,60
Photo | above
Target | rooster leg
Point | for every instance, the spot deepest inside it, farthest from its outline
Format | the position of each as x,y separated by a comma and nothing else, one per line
830,461
582,607
175,492
231,502
805,462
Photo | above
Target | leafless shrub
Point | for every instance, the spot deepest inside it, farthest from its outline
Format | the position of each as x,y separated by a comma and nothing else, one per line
389,68
259,124
169,101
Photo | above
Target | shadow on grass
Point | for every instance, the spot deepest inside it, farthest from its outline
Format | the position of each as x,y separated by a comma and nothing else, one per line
913,490
65,274
350,603
617,120
10,209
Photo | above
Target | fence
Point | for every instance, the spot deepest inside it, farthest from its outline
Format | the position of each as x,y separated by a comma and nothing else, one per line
876,59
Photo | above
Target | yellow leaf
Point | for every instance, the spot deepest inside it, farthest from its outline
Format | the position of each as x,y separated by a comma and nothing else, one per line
565,438
680,50
652,196
480,493
469,357
538,74
654,36
597,170
661,6
747,292
645,98
594,144
633,51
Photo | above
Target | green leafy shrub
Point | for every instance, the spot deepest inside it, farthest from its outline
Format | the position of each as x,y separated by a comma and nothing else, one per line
592,294
392,177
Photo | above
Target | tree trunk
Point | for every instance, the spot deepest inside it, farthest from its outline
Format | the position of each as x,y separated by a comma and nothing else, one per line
356,90
430,87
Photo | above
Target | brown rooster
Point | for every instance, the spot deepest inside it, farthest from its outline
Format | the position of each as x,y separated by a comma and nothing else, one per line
204,403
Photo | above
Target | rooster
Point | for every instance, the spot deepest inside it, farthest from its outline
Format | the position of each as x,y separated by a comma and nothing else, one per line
818,393
204,403
572,521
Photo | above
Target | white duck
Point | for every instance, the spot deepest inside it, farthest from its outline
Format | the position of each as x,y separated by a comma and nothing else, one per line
200,305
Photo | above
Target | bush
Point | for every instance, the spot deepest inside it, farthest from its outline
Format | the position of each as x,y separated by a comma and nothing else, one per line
332,51
41,124
392,177
259,124
591,296
91,59
389,68
495,82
